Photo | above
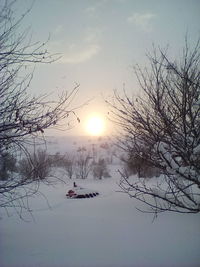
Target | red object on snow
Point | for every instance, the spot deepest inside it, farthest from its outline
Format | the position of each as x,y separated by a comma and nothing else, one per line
80,192
71,193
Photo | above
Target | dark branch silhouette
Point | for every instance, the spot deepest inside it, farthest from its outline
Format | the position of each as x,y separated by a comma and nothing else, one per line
162,129
23,118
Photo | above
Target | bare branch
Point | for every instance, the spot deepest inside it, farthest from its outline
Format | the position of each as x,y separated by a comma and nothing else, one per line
162,129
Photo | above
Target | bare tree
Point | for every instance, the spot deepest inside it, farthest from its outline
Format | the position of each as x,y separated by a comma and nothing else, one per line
162,127
21,115
83,166
68,165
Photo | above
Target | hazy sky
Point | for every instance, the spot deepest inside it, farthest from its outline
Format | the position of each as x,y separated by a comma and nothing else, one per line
101,40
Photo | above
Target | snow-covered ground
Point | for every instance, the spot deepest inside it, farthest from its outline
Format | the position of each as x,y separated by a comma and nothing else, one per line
104,231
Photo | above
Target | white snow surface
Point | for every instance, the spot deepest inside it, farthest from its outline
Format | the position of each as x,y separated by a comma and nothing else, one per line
104,231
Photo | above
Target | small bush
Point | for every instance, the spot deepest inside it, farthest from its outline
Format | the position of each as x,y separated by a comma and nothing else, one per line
35,167
100,169
7,165
141,167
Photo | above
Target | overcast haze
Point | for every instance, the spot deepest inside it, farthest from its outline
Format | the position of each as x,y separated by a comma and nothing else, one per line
100,41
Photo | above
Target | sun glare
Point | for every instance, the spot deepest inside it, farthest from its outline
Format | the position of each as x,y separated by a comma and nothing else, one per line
95,125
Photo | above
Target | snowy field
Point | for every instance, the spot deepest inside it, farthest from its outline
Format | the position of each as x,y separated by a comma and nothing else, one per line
104,231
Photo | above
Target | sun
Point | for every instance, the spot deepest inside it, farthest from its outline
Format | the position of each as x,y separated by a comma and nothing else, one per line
95,125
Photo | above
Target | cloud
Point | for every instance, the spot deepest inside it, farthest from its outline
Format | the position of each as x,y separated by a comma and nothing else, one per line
82,48
85,49
77,54
142,20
